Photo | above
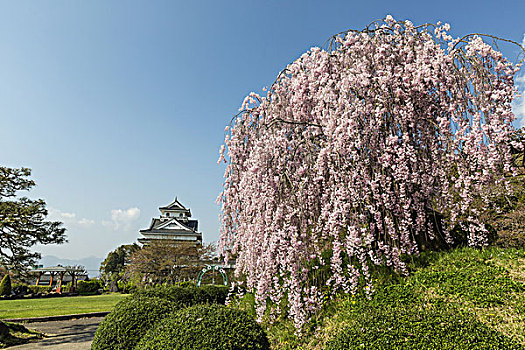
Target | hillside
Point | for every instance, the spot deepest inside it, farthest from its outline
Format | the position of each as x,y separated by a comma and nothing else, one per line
462,299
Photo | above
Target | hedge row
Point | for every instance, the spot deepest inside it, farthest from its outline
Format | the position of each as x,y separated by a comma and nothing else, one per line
187,296
88,287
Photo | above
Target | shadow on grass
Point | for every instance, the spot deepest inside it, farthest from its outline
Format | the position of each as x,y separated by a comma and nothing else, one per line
18,335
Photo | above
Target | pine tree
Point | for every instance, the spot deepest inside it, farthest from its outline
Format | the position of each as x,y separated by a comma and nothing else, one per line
22,221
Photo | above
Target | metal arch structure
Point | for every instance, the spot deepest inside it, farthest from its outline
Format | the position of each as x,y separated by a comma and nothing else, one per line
217,268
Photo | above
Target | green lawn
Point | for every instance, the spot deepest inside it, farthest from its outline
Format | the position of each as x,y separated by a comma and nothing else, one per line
58,306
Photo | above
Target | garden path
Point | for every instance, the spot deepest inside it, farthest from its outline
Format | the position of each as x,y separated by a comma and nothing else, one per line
74,334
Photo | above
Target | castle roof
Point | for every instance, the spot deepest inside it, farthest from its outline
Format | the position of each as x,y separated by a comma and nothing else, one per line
175,205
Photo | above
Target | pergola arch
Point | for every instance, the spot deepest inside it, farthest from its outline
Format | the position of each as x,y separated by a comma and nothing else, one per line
217,268
60,271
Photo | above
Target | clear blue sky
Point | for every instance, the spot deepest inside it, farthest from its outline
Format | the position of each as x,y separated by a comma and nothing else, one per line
121,105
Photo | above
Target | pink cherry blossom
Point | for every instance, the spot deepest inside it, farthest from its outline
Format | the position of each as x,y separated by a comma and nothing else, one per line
355,149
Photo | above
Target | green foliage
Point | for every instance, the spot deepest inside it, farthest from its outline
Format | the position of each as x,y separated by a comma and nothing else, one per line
216,294
206,327
129,321
116,260
186,296
23,221
410,327
132,317
431,309
20,288
39,289
112,269
464,296
5,285
185,284
127,287
88,287
468,275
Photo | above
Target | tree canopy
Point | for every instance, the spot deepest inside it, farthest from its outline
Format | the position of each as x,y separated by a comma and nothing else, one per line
361,152
166,262
116,261
22,221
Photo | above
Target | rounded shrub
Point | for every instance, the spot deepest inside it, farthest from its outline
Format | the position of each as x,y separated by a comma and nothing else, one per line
206,327
419,328
216,294
5,285
131,318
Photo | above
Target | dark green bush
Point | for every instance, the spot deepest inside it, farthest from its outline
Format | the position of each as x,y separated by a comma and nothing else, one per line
206,327
418,328
127,287
187,296
5,285
131,318
39,289
88,287
217,294
185,284
20,288
134,316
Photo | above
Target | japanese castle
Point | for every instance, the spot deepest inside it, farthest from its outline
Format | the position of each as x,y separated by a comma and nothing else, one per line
174,225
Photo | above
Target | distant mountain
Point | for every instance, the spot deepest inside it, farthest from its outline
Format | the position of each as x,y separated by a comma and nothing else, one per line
91,263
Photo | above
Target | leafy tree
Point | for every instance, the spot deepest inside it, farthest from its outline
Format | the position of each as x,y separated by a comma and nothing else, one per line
22,221
116,261
5,285
166,262
112,269
367,149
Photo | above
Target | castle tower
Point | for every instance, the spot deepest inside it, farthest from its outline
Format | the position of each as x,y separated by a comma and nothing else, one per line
174,225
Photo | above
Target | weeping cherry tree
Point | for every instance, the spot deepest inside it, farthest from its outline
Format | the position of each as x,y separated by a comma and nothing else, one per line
369,149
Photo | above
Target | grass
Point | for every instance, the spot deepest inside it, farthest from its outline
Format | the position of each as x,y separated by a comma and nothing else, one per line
23,308
462,299
18,334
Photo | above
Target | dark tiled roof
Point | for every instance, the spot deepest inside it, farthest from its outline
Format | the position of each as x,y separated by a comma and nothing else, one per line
175,205
171,232
192,224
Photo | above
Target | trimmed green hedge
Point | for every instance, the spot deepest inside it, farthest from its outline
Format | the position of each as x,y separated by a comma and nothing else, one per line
131,318
419,328
206,327
88,287
5,285
187,296
39,289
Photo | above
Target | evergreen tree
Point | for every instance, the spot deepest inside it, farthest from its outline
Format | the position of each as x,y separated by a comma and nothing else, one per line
22,221
5,285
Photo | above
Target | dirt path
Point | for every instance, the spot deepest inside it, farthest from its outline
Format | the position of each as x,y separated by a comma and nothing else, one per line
74,334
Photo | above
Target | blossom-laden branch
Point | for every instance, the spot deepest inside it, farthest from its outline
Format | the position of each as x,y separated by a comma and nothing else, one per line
360,153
